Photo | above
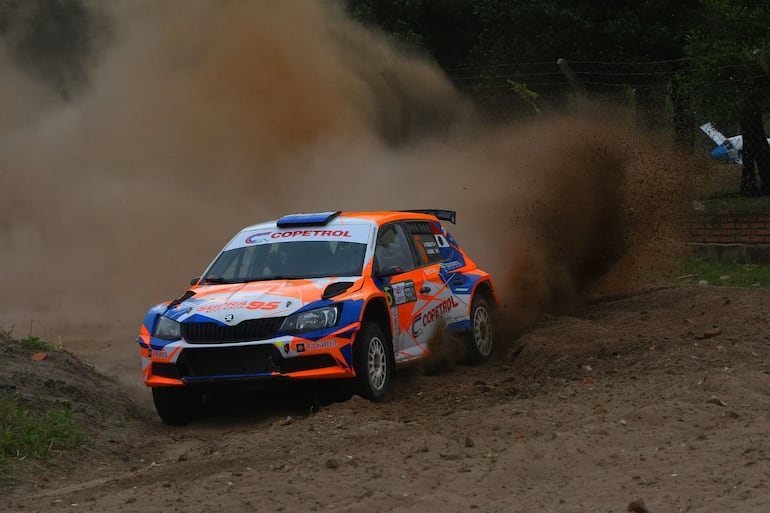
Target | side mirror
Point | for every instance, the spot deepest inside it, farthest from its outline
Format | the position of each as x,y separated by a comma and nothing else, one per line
388,270
195,280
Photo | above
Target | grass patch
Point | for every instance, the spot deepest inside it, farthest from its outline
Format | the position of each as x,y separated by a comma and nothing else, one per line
35,344
734,201
35,434
734,274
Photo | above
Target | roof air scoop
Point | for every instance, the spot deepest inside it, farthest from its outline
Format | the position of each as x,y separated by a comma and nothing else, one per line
313,219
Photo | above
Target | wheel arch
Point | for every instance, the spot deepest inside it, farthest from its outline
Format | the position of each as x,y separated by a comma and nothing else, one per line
484,289
377,311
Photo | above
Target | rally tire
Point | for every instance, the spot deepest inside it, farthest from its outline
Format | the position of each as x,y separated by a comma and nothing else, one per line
334,391
177,405
480,340
373,362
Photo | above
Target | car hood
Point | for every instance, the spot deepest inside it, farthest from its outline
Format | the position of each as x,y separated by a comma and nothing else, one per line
232,303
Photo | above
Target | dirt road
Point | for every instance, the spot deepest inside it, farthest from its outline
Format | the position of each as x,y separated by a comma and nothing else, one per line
663,396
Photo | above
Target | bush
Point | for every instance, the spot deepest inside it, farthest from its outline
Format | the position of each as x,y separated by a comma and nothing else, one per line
36,344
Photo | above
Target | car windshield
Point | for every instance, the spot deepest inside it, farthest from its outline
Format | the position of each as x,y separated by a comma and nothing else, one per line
287,260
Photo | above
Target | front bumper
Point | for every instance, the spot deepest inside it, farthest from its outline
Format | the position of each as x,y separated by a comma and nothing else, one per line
328,355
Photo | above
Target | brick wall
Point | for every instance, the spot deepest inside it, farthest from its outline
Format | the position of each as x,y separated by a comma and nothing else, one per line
731,227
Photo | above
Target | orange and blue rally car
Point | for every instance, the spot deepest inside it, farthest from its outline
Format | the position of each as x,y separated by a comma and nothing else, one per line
331,295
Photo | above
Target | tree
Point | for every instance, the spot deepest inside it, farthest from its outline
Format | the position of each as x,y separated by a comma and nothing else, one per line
446,29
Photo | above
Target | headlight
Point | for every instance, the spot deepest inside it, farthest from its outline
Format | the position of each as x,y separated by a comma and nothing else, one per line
316,319
167,329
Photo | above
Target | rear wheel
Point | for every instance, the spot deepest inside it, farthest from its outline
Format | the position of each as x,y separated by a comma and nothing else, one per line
482,336
177,405
373,362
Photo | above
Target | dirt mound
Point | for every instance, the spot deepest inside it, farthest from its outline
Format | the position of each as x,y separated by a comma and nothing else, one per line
42,379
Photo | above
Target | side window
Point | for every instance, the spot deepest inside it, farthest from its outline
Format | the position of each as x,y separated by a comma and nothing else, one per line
424,242
393,248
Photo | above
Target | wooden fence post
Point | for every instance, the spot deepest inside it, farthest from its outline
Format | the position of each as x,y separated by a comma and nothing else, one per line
577,85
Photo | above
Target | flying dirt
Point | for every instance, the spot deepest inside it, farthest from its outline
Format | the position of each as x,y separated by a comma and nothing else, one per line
117,196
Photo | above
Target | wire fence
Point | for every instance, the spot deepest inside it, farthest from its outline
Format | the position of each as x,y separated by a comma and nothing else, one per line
648,88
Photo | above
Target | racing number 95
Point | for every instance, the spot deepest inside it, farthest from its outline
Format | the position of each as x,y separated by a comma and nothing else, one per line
261,305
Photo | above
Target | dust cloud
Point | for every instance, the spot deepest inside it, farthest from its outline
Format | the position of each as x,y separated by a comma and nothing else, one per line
199,120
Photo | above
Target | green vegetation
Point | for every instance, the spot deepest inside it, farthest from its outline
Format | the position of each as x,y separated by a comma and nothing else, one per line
677,64
725,273
36,344
29,434
734,201
529,96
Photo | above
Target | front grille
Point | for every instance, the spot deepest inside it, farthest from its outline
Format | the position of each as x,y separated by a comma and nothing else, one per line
213,333
224,361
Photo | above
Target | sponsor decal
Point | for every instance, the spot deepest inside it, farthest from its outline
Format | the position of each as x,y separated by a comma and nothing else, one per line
441,241
315,346
321,344
400,293
416,329
157,353
310,233
239,305
425,319
431,248
453,264
257,237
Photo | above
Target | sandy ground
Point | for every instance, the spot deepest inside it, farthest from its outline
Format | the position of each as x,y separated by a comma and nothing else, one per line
662,396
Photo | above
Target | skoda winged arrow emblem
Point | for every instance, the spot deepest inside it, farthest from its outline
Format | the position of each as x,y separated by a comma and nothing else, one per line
229,318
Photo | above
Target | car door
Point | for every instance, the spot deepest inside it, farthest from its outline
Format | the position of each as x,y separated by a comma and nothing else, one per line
435,300
397,274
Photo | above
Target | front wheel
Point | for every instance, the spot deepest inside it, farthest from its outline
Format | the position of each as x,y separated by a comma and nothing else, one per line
177,405
373,363
482,336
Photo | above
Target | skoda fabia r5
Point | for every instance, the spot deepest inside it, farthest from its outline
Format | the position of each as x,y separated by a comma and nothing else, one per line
332,295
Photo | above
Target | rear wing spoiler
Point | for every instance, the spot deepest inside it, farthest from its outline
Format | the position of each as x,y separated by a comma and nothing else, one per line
444,215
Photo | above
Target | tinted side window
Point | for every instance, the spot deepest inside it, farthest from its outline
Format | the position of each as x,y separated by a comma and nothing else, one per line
424,242
393,248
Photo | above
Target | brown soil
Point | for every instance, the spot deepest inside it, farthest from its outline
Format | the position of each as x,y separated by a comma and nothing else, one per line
661,396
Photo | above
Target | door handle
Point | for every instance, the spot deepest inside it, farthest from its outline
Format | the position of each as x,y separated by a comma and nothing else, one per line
425,290
458,280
